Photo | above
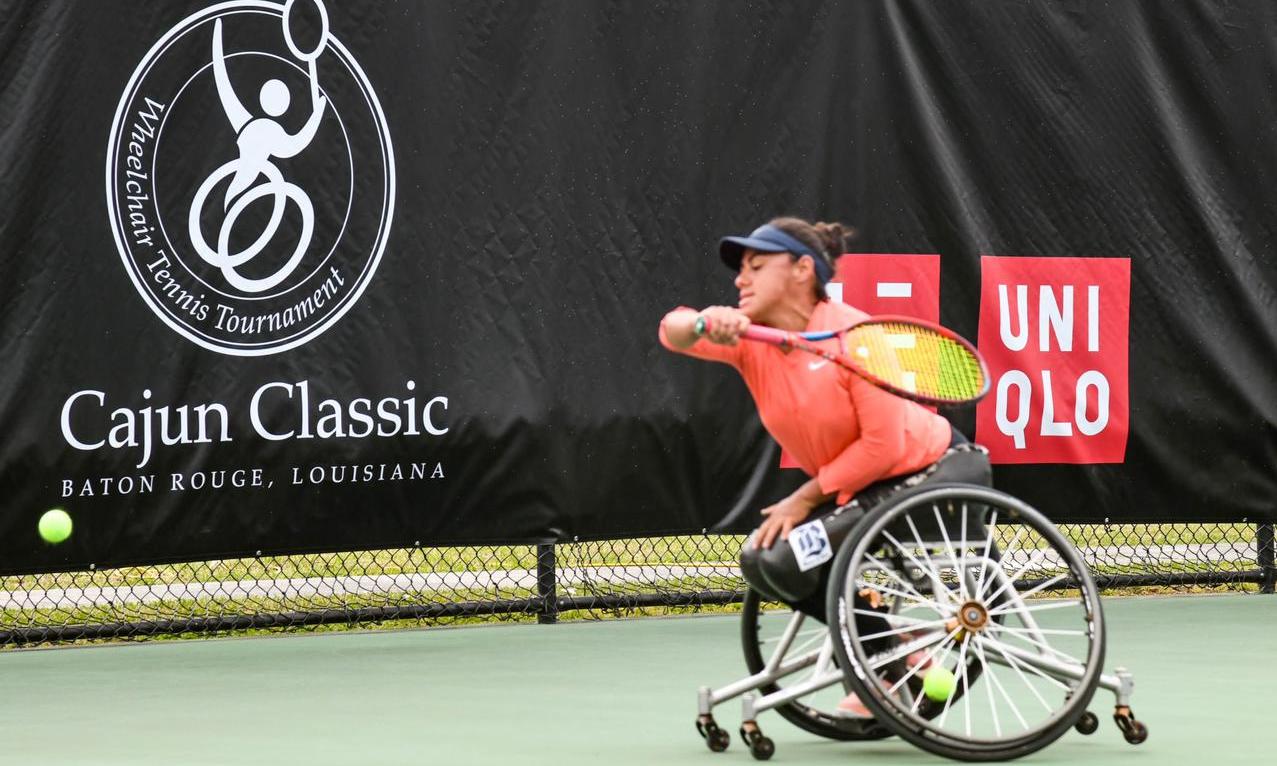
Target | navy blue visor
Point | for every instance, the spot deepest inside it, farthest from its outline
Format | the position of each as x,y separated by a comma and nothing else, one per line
769,239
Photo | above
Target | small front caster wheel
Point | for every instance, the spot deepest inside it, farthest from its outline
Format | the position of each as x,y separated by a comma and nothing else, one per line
715,737
1136,734
718,740
1133,731
762,748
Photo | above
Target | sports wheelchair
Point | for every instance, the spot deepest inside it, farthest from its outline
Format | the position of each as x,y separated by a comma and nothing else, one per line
922,585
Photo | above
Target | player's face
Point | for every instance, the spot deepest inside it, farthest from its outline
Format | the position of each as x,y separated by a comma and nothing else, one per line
763,282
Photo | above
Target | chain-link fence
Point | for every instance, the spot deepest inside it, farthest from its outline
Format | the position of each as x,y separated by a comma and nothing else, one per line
530,582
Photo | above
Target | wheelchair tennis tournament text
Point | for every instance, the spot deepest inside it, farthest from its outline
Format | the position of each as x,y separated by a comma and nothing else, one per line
91,421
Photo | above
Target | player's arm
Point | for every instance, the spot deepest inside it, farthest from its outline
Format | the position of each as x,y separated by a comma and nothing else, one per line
782,517
864,461
719,324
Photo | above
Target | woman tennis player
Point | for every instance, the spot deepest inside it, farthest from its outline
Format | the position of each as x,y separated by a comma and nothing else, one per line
857,442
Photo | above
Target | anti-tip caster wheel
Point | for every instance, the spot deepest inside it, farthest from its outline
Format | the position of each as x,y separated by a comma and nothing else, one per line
1088,723
1133,731
715,737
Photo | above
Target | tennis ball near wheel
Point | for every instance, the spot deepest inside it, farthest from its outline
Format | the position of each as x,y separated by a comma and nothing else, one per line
939,684
55,526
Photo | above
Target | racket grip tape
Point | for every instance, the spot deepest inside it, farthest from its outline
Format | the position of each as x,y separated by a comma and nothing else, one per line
767,335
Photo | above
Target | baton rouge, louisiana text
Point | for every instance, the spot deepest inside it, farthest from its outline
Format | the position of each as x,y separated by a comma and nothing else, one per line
278,412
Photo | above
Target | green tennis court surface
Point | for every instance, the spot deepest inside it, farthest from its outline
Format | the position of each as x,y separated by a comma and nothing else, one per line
616,692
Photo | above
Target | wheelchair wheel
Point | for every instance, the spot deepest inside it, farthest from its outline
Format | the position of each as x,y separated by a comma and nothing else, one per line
922,570
759,635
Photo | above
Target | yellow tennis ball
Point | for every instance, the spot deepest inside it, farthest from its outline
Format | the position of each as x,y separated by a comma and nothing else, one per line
55,526
939,684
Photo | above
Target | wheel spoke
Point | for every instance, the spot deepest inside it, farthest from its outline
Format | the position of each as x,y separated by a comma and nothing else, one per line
890,572
988,669
917,702
1010,583
900,651
1034,608
1038,671
889,617
931,655
962,670
1015,665
1042,586
1042,646
948,546
1051,631
966,698
905,629
988,547
929,661
900,547
862,583
1005,554
937,583
962,550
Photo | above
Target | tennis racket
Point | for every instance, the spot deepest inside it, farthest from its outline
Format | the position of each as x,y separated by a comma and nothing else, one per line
911,358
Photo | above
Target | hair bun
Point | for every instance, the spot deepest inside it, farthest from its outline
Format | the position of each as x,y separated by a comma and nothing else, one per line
834,237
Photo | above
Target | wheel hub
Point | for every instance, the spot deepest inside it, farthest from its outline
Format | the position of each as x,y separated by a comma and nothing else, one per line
973,616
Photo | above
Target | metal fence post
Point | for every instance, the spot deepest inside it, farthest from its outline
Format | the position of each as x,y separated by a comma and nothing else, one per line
547,588
1265,557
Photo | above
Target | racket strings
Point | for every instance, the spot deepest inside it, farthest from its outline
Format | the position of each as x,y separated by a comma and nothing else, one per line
916,360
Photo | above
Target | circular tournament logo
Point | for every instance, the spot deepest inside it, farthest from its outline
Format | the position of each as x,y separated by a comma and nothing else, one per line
250,177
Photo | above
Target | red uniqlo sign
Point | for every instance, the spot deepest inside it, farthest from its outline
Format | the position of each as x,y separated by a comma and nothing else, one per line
889,284
885,284
1055,332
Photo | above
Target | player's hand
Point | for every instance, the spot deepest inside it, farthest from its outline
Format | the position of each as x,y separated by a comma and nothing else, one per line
780,519
724,324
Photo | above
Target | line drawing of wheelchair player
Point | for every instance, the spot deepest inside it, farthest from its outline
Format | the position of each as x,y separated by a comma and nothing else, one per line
259,140
948,575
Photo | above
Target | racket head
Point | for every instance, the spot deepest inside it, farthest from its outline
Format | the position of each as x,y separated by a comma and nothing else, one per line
916,359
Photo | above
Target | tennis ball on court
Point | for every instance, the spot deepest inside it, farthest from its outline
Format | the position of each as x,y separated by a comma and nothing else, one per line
55,526
938,684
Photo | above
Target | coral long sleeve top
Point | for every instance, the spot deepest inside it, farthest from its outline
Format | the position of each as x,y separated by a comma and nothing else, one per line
839,428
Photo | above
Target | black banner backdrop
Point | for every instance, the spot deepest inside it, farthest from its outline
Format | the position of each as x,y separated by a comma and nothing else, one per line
410,294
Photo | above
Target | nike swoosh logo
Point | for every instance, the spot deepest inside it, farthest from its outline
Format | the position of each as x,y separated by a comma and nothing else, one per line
817,365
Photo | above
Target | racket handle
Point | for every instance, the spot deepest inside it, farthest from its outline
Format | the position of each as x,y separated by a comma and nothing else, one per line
753,332
767,335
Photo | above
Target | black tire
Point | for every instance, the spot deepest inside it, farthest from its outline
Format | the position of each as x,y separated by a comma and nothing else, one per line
1088,723
807,718
718,739
865,546
762,749
1137,734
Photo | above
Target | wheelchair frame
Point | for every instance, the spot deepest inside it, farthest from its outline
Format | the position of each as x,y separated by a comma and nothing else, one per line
763,691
